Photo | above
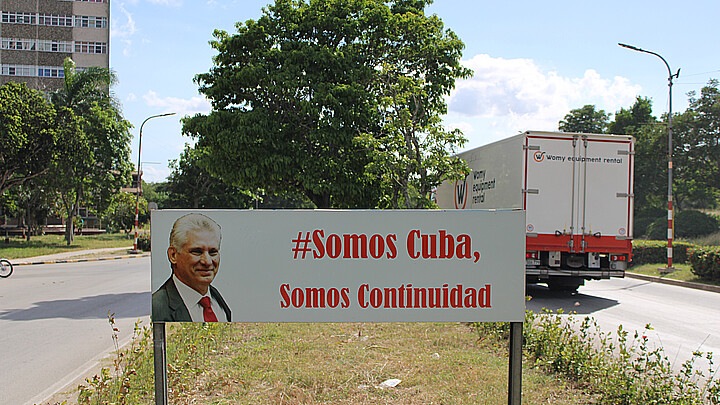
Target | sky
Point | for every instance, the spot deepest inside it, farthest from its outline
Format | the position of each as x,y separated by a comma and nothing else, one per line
533,62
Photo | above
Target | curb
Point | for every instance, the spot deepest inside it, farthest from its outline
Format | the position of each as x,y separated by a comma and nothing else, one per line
91,259
687,284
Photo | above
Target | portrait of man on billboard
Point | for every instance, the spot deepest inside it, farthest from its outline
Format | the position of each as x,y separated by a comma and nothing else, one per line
194,256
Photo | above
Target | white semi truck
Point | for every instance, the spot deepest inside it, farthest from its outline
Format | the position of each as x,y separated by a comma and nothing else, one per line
577,191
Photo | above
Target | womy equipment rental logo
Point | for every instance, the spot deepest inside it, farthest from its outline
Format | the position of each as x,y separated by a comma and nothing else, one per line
461,193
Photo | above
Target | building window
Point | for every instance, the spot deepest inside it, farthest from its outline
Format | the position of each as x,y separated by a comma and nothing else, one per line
45,45
18,18
54,20
90,47
55,46
17,44
32,71
17,70
90,21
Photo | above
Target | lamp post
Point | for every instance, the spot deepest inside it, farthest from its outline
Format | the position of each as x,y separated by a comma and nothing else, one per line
670,162
139,179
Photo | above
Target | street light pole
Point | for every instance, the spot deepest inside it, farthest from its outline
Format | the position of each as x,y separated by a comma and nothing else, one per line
139,178
670,161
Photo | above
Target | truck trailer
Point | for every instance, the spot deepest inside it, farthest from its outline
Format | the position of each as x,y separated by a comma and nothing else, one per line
576,190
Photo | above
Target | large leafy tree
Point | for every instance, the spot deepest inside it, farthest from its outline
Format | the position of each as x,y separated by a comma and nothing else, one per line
27,135
191,186
696,151
650,153
310,98
94,141
419,64
585,119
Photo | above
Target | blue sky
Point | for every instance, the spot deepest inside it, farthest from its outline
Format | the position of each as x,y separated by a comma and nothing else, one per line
533,61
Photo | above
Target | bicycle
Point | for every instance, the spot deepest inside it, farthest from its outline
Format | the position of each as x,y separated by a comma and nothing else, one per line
6,268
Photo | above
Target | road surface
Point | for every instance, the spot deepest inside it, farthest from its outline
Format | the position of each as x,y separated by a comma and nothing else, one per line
54,322
683,319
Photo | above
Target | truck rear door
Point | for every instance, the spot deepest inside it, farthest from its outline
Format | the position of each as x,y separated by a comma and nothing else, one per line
578,192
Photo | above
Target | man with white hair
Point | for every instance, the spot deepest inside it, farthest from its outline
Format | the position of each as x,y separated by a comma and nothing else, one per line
194,256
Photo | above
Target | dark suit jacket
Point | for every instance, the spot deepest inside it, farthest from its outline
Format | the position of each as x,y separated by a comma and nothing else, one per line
168,306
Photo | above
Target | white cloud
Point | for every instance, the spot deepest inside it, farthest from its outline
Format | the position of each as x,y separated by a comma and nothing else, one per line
179,106
131,97
155,173
505,96
124,28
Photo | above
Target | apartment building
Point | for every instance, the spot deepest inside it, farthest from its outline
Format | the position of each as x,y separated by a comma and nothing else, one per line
37,35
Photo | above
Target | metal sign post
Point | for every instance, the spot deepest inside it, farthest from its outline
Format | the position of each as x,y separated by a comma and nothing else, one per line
515,367
160,349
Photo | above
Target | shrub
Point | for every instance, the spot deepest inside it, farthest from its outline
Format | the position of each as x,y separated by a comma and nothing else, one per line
705,262
642,224
619,368
143,242
691,223
688,224
651,251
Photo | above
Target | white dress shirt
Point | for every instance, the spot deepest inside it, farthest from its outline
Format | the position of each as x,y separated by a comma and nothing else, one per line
191,298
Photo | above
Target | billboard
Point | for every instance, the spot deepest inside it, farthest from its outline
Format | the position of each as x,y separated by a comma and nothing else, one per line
339,266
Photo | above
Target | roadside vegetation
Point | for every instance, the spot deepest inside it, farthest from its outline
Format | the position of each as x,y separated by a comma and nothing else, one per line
325,363
18,248
567,360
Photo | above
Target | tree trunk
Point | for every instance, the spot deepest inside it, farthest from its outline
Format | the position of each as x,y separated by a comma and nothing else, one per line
69,228
321,201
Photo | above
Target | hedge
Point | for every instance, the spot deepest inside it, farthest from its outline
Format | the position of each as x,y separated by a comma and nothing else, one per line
652,251
705,262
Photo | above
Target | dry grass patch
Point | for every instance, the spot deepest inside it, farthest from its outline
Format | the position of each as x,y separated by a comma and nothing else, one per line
340,363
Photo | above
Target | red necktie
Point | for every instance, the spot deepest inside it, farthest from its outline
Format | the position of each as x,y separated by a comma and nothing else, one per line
208,313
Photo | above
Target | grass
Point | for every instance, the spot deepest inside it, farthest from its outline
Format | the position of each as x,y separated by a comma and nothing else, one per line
684,272
19,248
331,363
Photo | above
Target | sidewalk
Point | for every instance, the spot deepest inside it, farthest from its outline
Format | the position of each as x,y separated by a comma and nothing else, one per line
663,280
76,256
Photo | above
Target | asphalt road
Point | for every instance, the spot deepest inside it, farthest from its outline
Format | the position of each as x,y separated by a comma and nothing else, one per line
54,322
683,319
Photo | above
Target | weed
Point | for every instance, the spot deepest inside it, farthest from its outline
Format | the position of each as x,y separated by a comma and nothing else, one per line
619,367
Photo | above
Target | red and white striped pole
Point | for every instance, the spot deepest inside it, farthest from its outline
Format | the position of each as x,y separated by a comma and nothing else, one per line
670,153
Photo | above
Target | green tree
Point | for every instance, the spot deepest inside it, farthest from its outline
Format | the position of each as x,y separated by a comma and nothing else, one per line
585,120
411,149
94,141
120,213
696,149
27,134
157,193
650,158
191,186
630,121
303,97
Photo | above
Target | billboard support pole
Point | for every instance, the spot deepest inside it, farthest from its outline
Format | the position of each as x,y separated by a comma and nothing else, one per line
515,366
160,358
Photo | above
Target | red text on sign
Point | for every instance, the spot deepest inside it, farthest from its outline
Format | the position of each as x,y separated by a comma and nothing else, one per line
312,297
438,246
353,246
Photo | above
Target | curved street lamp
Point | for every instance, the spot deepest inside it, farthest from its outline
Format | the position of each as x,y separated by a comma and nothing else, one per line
670,161
139,179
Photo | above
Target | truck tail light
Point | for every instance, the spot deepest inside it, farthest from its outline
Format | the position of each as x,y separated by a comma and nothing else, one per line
532,255
618,258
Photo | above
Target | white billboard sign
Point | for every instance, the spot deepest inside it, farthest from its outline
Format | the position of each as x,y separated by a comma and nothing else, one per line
338,266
